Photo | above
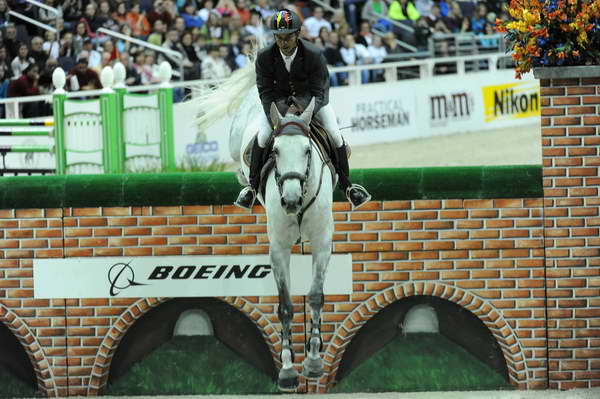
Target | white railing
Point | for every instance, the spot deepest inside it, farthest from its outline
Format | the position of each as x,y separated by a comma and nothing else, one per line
413,69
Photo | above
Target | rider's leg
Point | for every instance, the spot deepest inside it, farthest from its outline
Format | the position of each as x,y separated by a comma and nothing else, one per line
247,196
356,194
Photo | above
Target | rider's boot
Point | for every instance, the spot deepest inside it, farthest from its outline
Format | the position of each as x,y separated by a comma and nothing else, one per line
247,196
356,194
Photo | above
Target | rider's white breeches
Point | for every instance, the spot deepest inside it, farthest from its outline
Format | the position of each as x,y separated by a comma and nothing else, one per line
325,115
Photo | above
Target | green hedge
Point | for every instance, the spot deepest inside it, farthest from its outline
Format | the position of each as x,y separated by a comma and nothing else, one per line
218,188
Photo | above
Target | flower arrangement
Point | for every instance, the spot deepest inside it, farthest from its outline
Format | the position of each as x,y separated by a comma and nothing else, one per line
552,33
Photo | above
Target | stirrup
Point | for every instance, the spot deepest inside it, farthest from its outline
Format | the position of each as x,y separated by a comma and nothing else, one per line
243,201
362,190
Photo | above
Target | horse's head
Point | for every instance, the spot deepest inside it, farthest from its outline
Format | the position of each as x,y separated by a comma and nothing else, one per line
292,151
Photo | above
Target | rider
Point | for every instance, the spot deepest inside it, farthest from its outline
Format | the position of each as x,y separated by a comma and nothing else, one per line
294,67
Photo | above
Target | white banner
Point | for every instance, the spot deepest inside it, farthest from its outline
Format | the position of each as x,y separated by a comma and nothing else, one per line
396,111
375,113
179,276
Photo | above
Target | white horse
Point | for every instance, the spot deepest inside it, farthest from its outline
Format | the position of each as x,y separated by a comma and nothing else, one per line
298,203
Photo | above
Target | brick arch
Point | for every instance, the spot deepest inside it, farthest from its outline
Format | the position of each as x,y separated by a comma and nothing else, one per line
111,340
41,366
491,318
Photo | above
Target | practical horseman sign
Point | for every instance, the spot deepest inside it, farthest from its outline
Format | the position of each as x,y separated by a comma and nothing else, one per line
179,276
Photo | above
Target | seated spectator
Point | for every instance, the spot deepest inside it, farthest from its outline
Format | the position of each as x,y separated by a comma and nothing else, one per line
94,56
159,12
150,70
66,55
264,8
479,19
190,16
226,8
158,33
132,77
37,52
373,10
21,61
10,40
355,54
138,22
81,33
72,11
5,62
82,77
124,46
437,22
242,58
243,11
316,22
207,7
214,66
391,44
48,17
213,29
364,36
422,33
454,18
105,15
403,10
93,22
172,43
334,58
193,70
26,85
109,47
45,85
4,17
255,26
104,62
120,14
377,53
465,25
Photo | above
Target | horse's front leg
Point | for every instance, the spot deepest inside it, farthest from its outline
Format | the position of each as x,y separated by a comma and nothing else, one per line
280,261
313,364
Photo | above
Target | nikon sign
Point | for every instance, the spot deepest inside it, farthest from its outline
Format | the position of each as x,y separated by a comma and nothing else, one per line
179,276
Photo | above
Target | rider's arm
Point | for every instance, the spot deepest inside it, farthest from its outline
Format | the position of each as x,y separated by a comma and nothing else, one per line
319,82
265,82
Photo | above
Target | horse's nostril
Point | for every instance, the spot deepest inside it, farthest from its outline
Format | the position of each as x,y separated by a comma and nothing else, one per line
282,201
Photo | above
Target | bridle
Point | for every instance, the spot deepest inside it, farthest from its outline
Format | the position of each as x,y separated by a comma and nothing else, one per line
302,177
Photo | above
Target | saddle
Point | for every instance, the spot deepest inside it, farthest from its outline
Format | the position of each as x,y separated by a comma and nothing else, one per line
317,135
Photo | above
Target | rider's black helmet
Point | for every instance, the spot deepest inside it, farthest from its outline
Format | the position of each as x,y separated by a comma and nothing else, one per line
285,21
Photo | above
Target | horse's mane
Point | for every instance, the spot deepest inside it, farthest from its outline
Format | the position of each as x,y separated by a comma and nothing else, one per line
227,97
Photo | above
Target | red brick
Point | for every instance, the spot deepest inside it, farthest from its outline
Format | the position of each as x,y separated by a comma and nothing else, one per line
581,110
565,101
581,131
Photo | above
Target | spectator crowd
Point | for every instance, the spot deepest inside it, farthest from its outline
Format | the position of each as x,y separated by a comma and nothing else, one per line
214,36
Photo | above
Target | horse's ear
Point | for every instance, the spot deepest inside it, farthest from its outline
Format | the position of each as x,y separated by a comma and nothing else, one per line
275,115
307,114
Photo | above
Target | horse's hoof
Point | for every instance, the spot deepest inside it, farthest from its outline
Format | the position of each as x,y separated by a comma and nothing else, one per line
312,368
288,380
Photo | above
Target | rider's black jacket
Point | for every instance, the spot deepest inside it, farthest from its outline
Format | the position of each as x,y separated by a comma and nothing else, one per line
308,76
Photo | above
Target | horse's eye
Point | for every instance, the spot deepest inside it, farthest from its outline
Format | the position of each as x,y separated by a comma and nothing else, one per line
275,151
